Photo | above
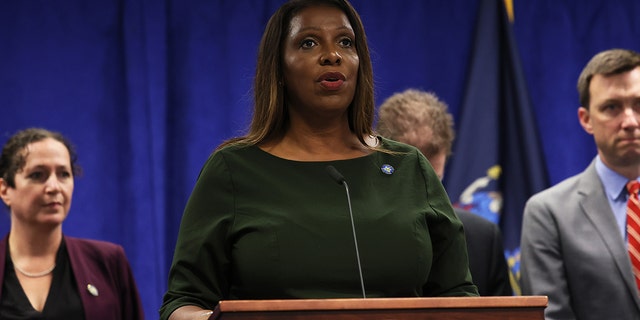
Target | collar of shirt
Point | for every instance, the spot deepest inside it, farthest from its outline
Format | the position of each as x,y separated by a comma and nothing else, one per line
614,183
615,188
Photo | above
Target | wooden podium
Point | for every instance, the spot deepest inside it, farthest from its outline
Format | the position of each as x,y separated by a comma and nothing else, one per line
455,308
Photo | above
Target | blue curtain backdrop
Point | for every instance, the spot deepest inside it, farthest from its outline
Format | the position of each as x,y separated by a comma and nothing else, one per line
147,89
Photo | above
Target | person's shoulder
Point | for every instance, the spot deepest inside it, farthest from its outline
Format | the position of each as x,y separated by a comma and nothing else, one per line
400,154
560,189
230,154
232,148
397,146
226,150
468,217
93,246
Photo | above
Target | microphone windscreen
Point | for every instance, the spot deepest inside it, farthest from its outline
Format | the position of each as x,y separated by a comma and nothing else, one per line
335,175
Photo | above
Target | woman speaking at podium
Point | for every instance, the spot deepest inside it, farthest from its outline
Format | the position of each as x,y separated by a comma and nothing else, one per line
266,220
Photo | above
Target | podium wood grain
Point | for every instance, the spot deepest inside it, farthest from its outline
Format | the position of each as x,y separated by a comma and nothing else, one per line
454,308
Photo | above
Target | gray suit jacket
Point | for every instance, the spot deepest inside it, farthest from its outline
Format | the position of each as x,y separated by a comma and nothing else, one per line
572,251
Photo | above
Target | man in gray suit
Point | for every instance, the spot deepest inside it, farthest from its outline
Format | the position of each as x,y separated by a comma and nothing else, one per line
574,239
420,119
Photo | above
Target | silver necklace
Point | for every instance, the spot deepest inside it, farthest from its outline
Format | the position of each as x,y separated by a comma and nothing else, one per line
37,274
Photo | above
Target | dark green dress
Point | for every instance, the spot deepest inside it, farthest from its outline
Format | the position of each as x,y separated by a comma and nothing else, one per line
261,227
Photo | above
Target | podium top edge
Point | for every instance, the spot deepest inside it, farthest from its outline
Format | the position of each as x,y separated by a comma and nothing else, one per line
383,303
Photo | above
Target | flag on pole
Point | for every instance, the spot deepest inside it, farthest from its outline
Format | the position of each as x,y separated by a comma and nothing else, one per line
497,161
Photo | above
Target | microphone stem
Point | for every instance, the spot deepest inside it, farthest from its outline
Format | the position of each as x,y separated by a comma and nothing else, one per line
355,239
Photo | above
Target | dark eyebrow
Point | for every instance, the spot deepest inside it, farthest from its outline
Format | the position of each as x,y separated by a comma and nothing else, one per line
314,28
41,166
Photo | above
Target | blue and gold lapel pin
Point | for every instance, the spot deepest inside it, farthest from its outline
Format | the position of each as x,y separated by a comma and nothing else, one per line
387,169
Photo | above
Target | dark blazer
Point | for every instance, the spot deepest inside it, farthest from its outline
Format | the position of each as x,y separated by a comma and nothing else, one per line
486,255
572,251
105,267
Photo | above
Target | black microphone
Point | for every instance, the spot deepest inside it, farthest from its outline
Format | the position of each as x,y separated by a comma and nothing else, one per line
335,175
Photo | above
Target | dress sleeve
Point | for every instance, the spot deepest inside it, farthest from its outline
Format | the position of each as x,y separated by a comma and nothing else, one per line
450,275
200,270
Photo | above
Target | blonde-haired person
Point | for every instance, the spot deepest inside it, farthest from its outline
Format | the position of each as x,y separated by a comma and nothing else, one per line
420,119
266,221
45,274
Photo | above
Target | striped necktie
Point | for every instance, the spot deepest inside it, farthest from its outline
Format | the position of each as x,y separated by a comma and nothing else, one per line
633,228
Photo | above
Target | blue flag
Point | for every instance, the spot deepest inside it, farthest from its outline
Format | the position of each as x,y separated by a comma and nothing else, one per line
497,161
